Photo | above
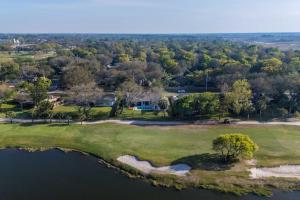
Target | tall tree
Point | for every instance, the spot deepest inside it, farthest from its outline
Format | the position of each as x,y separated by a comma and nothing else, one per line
76,75
240,97
38,89
83,96
44,110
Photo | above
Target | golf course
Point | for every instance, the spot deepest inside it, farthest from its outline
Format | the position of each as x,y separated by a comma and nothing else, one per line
168,145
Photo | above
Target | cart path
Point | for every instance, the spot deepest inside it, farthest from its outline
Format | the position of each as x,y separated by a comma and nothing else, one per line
147,123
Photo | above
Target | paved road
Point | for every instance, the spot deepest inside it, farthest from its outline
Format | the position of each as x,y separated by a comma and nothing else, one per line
139,122
125,122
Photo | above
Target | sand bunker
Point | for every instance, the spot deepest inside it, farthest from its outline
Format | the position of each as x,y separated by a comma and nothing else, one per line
147,168
284,171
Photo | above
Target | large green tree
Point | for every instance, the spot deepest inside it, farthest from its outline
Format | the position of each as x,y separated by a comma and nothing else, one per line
234,146
38,89
272,66
207,103
44,110
239,99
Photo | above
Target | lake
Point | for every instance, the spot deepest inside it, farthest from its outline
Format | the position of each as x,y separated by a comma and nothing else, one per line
57,175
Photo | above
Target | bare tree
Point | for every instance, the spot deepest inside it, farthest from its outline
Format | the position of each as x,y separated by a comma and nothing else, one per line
83,96
130,92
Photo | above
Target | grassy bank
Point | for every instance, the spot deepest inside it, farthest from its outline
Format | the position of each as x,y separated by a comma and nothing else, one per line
169,145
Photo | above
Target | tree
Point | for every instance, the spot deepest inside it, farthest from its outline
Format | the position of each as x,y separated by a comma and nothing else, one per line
69,118
83,96
188,57
58,63
129,92
163,105
116,108
183,107
122,58
234,146
9,70
197,104
204,61
239,98
166,59
81,53
11,115
223,108
261,104
38,89
74,76
292,93
6,94
44,110
272,66
207,103
84,113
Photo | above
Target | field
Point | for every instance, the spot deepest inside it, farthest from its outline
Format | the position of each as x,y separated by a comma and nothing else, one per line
24,56
167,145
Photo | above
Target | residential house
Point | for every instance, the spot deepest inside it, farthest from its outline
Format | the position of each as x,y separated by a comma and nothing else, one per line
107,100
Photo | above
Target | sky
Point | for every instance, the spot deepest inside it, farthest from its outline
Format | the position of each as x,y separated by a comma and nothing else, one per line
149,16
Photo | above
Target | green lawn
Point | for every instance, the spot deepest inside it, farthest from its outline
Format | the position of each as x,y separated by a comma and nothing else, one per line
97,113
6,56
137,114
163,146
26,113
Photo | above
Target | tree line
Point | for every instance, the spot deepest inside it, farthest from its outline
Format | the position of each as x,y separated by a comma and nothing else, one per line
268,78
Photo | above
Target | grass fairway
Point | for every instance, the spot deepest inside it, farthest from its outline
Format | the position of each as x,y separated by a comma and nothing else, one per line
9,56
163,146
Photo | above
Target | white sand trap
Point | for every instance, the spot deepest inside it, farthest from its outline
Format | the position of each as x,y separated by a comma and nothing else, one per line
147,168
284,171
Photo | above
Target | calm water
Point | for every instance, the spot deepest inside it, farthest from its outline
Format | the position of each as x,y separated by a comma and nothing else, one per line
56,175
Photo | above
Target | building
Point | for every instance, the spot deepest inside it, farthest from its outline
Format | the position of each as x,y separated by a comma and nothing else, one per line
107,100
146,105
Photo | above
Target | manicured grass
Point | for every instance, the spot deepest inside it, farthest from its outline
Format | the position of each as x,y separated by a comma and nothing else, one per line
97,113
137,114
164,146
25,113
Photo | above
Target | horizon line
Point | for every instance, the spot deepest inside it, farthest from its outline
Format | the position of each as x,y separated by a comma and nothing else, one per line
95,33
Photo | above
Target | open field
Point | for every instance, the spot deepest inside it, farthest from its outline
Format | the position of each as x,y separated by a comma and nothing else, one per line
168,145
10,56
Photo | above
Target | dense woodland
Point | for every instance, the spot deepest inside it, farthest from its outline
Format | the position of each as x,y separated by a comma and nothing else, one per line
220,76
